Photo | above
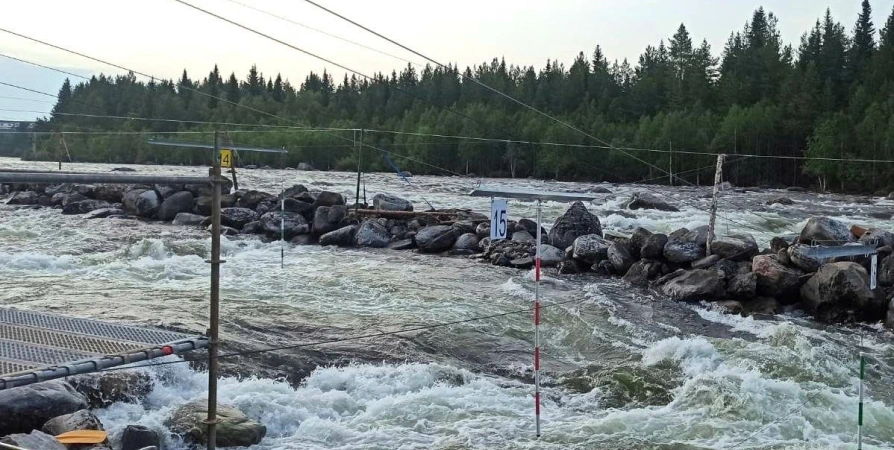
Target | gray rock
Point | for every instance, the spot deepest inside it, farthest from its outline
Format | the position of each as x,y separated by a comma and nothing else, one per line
482,230
569,267
147,203
27,408
840,291
645,200
272,225
296,206
577,221
327,198
886,271
305,166
234,428
550,256
388,202
403,244
342,237
522,236
237,217
328,218
78,420
683,251
23,198
86,206
123,169
66,199
705,262
251,199
112,193
294,191
739,247
731,306
742,285
653,246
620,258
136,437
877,237
372,234
825,231
102,213
678,234
525,262
590,248
254,227
467,241
104,389
778,243
188,219
774,279
643,271
699,284
780,200
638,239
763,305
531,227
435,238
180,202
889,318
37,440
799,257
699,235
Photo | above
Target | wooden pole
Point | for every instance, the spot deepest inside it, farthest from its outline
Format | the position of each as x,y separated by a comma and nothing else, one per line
359,162
718,176
215,262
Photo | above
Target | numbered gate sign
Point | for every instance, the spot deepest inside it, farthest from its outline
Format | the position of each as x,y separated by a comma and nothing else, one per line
226,158
499,220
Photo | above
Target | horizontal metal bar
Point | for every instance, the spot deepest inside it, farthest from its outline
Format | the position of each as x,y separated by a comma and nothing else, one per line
840,251
100,363
529,194
51,178
211,147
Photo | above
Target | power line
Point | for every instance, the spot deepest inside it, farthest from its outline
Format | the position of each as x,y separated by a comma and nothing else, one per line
43,66
26,99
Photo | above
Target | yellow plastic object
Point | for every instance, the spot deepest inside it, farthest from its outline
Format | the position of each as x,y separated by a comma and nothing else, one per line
83,437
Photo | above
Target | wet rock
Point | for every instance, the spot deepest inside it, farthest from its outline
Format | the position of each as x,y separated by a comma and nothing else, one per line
575,222
699,284
884,215
705,262
36,440
877,237
638,239
203,205
390,202
327,198
774,279
840,292
739,247
23,198
728,269
372,234
645,200
778,243
482,230
237,217
294,191
569,267
188,219
522,236
780,200
136,437
304,239
202,190
328,218
530,226
403,244
234,428
783,258
276,223
742,285
27,408
550,256
590,248
731,306
643,271
305,166
683,252
763,305
295,206
467,241
64,199
87,206
251,199
886,271
144,204
435,238
465,226
176,203
825,231
78,420
342,237
653,247
102,213
104,389
123,169
525,262
253,228
798,256
678,234
889,318
620,258
112,193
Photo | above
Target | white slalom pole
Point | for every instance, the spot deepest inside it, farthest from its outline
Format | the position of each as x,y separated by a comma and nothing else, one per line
537,325
282,231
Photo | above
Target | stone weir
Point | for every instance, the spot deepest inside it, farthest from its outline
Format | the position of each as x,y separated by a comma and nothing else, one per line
737,275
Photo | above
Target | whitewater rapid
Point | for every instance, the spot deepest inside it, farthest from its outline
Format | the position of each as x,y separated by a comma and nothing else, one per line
624,367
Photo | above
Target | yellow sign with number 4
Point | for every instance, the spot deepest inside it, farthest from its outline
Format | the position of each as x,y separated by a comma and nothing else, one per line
226,158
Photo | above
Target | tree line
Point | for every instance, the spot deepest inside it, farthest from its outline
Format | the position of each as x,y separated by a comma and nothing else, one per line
832,96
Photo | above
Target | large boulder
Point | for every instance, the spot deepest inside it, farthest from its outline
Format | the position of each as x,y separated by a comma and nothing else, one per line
251,199
371,233
296,206
78,420
23,198
327,198
774,279
643,271
645,200
550,256
740,247
136,437
742,285
390,202
637,239
700,284
435,238
188,219
294,191
237,217
825,231
328,218
112,193
799,256
577,221
889,319
36,440
234,428
65,199
886,271
840,291
342,237
590,248
104,389
653,246
102,213
682,251
27,408
84,207
466,242
523,236
176,203
619,256
877,237
276,224
143,202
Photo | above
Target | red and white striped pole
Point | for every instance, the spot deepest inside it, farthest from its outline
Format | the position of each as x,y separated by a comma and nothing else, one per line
537,325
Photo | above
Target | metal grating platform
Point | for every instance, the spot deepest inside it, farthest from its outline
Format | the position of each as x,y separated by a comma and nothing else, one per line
46,346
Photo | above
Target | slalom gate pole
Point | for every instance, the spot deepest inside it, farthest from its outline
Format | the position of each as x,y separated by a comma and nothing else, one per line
860,410
537,324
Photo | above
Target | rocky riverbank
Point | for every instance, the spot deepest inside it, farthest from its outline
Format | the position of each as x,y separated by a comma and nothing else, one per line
737,274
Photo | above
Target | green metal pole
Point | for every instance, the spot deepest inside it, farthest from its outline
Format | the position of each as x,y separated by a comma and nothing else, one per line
860,412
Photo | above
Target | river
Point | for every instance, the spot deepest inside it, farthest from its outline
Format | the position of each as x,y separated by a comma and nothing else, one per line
624,368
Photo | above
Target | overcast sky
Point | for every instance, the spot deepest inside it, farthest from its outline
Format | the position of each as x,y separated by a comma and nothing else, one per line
162,37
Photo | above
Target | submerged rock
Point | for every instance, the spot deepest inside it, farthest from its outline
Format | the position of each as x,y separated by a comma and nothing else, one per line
645,200
575,222
234,428
188,219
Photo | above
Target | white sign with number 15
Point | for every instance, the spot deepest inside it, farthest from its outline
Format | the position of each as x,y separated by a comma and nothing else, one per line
499,220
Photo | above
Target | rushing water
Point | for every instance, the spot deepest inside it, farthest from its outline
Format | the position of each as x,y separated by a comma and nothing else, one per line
624,368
